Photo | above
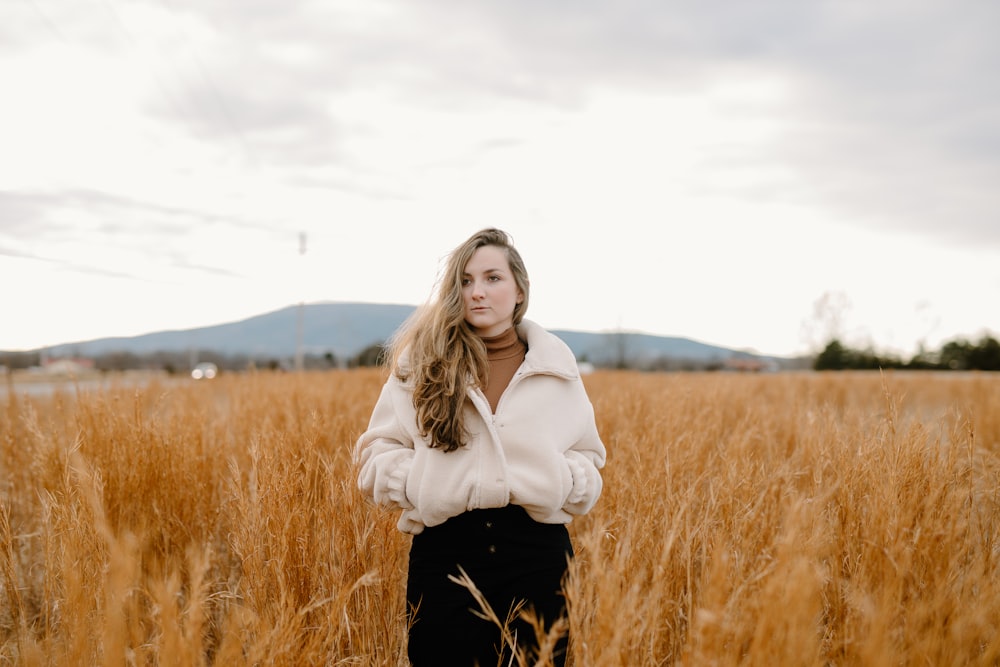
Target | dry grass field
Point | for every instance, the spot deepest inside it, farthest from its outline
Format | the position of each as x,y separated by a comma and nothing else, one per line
786,519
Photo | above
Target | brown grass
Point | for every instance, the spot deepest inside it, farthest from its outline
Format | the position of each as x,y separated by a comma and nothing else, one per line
792,519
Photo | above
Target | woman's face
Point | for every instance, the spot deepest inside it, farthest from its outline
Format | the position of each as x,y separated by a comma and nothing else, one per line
489,292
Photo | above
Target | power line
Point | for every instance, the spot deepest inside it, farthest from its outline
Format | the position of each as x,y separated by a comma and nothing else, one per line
47,21
224,111
134,44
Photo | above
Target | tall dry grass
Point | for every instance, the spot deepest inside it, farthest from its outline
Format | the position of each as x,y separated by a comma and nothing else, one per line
793,519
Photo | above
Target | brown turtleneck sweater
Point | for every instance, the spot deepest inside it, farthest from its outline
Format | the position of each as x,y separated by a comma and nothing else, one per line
505,353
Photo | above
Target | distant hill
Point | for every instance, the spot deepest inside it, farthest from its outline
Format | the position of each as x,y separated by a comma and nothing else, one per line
341,328
345,329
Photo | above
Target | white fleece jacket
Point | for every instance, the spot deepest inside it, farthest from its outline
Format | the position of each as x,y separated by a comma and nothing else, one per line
541,449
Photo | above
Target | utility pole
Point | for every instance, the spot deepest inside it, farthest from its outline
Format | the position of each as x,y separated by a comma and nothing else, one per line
300,319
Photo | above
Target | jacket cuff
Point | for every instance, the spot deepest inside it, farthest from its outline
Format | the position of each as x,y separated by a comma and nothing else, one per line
396,484
581,481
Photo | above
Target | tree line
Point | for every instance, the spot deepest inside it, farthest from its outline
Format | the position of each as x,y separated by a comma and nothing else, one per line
173,362
956,355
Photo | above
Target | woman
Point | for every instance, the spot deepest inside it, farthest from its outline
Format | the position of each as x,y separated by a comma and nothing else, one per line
485,438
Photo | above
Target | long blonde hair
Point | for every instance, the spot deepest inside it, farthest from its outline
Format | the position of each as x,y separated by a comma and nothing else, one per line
438,351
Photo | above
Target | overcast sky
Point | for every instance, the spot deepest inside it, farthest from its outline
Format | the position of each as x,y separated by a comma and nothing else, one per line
759,175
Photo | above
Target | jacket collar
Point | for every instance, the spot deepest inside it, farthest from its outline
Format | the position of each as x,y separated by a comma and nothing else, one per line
547,353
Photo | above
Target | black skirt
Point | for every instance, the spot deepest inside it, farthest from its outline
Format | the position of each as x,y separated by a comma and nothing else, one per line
511,558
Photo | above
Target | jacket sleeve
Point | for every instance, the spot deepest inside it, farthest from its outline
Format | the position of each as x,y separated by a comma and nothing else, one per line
585,458
384,453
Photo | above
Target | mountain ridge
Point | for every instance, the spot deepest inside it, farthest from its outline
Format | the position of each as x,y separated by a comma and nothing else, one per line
346,328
